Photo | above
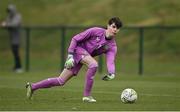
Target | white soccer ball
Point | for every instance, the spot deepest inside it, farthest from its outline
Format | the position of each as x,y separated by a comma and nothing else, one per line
129,95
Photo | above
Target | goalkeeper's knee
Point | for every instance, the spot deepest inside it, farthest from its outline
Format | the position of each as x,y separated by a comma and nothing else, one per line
93,65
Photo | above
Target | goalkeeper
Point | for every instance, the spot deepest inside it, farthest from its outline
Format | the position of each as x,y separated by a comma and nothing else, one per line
83,47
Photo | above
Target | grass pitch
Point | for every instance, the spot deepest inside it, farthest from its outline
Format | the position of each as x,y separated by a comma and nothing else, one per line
156,92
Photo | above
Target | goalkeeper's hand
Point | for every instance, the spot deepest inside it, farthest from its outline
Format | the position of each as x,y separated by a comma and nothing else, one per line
108,77
69,61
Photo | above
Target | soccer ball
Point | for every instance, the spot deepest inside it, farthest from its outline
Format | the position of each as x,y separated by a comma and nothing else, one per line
129,95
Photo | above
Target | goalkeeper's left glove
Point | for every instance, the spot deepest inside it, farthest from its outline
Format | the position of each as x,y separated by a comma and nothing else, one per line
108,77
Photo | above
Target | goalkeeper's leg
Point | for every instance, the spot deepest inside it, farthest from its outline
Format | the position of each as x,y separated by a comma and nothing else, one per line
50,82
92,68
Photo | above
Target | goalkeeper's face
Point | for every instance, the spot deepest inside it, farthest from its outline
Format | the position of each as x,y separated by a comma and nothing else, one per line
112,30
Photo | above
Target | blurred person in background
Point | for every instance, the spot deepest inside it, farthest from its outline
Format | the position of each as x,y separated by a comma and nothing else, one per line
13,24
82,50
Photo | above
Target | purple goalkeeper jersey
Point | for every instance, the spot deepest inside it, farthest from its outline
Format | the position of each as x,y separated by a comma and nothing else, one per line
94,42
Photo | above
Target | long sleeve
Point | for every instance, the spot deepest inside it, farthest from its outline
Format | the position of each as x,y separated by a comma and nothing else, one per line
79,38
110,59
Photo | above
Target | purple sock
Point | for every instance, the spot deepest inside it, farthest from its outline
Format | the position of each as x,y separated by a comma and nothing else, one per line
47,83
89,80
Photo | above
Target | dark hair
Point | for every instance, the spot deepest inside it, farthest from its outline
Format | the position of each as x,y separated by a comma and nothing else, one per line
115,20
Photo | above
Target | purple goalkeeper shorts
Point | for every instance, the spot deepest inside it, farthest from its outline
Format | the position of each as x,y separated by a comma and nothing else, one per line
79,54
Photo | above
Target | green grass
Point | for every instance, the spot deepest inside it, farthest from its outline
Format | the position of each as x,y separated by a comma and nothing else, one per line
156,92
158,88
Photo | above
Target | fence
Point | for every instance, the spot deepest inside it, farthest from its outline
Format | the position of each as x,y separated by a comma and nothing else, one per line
63,39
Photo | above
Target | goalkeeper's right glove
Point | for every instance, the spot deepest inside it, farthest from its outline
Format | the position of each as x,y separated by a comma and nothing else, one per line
69,61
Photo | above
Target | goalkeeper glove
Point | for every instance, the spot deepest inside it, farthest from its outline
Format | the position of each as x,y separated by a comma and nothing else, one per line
108,77
69,61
